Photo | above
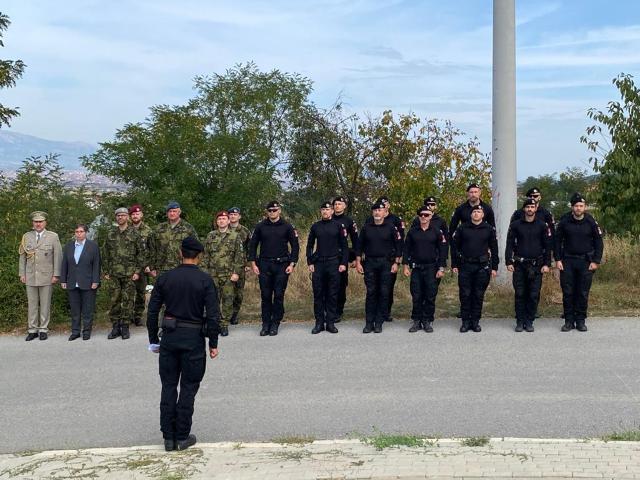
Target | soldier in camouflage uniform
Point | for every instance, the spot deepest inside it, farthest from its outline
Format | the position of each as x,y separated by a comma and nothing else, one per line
223,259
244,233
144,230
123,258
165,241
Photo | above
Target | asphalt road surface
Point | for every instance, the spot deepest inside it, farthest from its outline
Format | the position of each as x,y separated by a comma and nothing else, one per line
58,394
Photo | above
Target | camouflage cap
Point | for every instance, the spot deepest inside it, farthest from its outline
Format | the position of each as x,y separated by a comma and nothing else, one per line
38,216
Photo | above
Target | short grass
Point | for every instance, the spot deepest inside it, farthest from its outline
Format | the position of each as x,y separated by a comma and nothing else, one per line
380,440
623,436
293,439
475,442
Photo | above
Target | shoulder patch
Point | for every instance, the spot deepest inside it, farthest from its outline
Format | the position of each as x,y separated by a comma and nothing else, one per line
354,226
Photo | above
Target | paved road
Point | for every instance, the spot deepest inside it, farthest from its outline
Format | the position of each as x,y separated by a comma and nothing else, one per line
57,394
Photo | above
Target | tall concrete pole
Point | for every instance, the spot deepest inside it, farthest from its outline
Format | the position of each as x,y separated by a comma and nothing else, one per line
503,154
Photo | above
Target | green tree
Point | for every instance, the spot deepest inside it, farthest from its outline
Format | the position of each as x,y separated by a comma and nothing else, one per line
10,72
615,144
224,147
405,157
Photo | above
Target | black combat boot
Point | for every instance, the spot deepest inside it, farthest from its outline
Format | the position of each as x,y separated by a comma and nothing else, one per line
186,443
368,328
519,326
476,327
125,332
170,444
31,336
581,327
224,331
273,331
464,328
317,329
234,319
567,327
377,329
416,326
115,332
528,327
428,327
331,328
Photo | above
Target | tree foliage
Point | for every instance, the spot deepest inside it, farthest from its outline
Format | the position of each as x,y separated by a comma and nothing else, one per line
403,156
224,148
615,145
10,72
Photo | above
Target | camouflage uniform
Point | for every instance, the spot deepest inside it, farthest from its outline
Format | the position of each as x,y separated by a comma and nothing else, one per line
123,255
223,256
243,234
164,245
144,231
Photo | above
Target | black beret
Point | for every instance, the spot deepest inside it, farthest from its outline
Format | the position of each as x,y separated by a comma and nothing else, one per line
430,200
477,207
233,210
472,185
191,243
340,198
577,198
273,204
377,204
383,198
529,201
326,205
423,208
533,191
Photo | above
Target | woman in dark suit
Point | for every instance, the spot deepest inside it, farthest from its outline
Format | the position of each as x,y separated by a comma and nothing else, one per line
80,276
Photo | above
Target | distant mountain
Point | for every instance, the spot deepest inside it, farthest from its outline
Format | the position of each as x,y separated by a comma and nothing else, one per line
15,147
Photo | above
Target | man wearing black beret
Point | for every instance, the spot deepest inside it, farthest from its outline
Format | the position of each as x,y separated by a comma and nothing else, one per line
463,212
578,252
339,208
191,314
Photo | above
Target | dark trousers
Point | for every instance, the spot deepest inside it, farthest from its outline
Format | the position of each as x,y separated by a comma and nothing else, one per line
424,289
392,285
575,281
473,280
273,283
527,282
377,280
325,281
82,304
342,291
183,362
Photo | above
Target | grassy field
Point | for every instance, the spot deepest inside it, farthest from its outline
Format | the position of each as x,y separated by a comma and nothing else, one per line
615,292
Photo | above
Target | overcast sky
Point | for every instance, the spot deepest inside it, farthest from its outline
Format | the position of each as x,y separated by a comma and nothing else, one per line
93,66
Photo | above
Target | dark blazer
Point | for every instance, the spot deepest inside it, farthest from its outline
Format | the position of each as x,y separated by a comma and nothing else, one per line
86,271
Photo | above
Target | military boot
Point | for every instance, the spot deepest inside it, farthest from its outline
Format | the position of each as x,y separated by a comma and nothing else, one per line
428,327
528,327
331,328
115,332
317,329
224,331
368,328
519,326
125,332
234,319
377,328
416,326
464,328
581,327
273,331
567,327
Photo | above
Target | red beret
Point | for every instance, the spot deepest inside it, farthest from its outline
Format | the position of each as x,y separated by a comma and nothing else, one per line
222,213
135,208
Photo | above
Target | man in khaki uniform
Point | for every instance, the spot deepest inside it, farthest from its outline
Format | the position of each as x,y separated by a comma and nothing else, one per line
39,268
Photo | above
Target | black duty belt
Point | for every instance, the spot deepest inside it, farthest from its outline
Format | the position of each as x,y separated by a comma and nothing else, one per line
276,259
422,266
531,261
584,256
482,259
327,259
185,324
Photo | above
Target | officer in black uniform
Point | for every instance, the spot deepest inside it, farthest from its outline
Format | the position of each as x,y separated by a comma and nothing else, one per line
339,207
474,256
463,212
578,252
191,314
541,212
437,221
397,222
274,264
381,245
528,256
326,264
425,258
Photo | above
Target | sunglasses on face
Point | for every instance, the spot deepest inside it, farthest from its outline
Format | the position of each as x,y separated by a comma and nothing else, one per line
272,210
431,204
426,215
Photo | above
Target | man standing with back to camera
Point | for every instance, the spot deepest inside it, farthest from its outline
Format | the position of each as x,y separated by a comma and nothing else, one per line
191,314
